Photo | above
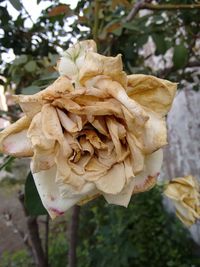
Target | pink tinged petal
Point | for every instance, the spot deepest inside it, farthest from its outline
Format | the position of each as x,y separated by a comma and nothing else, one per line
14,141
66,122
151,170
18,145
113,181
154,162
50,195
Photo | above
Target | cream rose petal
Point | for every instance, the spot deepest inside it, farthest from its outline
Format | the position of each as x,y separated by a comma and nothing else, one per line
152,167
184,192
154,93
113,181
14,141
32,104
50,194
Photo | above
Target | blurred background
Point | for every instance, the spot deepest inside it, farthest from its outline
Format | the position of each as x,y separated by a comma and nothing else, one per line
160,38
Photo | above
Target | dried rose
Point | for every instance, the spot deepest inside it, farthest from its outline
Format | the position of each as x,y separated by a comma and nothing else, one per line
95,130
184,192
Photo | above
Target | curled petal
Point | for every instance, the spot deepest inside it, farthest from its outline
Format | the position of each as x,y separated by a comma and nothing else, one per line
96,64
184,192
66,122
153,93
154,135
32,104
136,153
51,124
14,141
114,180
118,92
73,59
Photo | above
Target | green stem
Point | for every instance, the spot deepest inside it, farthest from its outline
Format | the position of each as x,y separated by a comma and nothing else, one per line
9,159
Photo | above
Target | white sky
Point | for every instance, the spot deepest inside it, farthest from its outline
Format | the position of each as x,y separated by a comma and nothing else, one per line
34,10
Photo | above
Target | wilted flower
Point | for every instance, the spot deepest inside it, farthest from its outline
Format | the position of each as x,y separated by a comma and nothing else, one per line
95,130
184,192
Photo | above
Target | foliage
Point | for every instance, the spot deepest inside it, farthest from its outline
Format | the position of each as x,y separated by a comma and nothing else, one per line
141,235
36,46
33,202
58,246
17,259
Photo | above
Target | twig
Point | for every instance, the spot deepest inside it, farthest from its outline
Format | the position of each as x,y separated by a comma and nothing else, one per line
47,238
145,4
96,21
170,6
139,5
8,218
33,232
27,13
73,236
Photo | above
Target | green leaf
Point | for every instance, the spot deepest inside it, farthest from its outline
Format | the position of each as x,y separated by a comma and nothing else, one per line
30,90
16,4
30,66
132,27
180,56
161,45
33,202
20,60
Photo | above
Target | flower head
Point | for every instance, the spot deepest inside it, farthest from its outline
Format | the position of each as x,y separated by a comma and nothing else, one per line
184,192
95,130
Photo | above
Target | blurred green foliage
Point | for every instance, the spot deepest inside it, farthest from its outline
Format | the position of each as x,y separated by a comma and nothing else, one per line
141,235
36,46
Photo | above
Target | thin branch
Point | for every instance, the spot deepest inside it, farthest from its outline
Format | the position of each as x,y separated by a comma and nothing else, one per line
96,21
145,4
139,5
16,229
47,238
27,13
73,237
170,7
34,236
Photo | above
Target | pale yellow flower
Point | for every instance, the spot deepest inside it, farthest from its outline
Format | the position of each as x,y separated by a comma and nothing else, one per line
184,192
95,130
